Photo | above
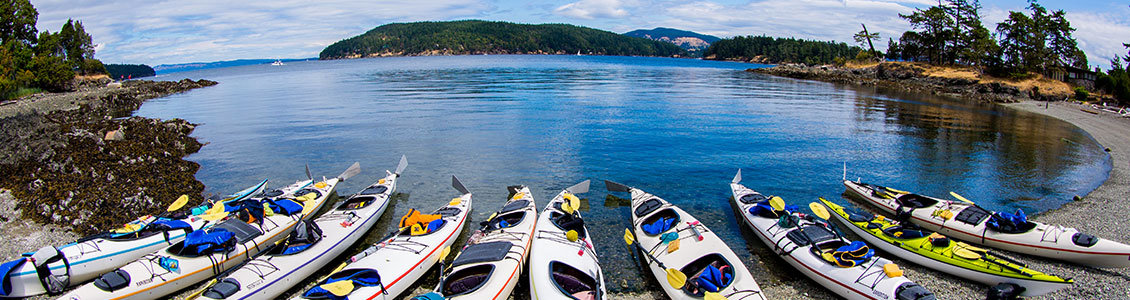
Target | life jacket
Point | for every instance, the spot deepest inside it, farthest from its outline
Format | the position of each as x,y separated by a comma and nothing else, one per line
204,242
420,224
1008,223
284,206
712,279
850,255
361,277
659,226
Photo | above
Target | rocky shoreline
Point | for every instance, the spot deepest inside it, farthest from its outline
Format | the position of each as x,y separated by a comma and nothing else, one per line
914,77
71,158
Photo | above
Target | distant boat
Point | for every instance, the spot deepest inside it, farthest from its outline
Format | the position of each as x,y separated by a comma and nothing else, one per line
578,52
278,62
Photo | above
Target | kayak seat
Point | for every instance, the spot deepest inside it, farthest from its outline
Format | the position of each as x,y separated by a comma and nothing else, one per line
567,222
112,281
709,273
373,190
1009,223
915,201
858,216
307,194
913,291
357,202
306,233
1084,240
571,281
752,198
647,207
905,232
466,280
223,289
514,205
660,222
972,215
817,234
360,277
482,252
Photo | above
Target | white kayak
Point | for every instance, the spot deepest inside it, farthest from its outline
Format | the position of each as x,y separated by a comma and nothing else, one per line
490,264
792,236
78,262
564,265
707,262
242,230
309,248
970,223
392,265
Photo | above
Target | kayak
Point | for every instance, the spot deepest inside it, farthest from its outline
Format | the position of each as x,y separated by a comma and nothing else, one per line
242,230
938,252
971,223
489,265
563,262
392,265
87,258
708,264
849,269
309,248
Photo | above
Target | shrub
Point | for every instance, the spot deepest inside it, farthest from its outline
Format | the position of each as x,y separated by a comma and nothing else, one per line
1081,93
51,73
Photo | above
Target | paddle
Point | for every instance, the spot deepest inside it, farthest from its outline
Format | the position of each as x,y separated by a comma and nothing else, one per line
674,277
819,210
353,170
959,197
616,187
180,202
713,296
403,164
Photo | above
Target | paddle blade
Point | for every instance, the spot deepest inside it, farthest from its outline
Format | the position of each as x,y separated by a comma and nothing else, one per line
567,207
819,210
353,170
573,201
403,164
339,288
777,203
443,254
214,217
458,185
628,237
616,187
676,278
713,296
178,203
311,177
738,177
579,188
959,197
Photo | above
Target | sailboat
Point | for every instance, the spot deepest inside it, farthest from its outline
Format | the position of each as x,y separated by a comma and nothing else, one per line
278,62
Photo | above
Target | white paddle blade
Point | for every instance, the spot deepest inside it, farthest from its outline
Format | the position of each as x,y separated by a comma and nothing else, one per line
738,177
353,170
403,164
458,185
311,177
616,187
579,188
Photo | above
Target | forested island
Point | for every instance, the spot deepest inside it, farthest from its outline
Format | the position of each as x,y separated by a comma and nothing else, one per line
488,37
764,49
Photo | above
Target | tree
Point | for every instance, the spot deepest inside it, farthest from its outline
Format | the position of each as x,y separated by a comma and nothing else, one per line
865,38
1038,42
17,21
51,73
893,49
935,30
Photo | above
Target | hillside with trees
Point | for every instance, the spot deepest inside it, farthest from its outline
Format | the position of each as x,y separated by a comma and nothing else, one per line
766,49
31,61
487,37
691,41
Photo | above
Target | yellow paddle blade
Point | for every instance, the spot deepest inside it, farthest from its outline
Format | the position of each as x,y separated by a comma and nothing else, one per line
713,296
672,246
959,197
675,278
340,267
443,254
178,203
131,227
518,196
965,253
339,288
455,201
492,216
320,185
819,210
628,237
896,191
216,208
572,235
214,217
573,201
777,203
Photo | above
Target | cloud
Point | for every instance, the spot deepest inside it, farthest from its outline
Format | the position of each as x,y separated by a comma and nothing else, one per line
1101,35
591,9
156,32
808,19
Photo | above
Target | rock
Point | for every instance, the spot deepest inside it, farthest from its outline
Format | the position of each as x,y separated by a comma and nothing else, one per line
115,135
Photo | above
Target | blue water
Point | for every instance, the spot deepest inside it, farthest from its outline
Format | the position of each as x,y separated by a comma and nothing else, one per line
678,128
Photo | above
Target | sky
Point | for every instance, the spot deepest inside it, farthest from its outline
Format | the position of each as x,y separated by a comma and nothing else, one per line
157,32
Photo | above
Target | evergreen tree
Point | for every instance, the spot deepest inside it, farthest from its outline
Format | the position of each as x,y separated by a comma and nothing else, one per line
17,21
1038,42
894,51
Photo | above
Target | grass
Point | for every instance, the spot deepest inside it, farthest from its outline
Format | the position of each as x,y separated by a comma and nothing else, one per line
21,92
1047,86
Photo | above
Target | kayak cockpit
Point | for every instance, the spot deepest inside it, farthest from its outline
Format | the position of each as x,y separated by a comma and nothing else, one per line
752,198
358,202
569,222
221,237
467,280
915,201
710,273
660,222
305,234
906,232
573,282
505,220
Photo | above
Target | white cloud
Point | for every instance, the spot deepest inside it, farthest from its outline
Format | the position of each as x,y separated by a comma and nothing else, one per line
156,32
591,9
1101,35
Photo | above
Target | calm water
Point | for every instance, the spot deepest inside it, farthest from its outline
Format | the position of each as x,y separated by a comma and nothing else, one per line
675,127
